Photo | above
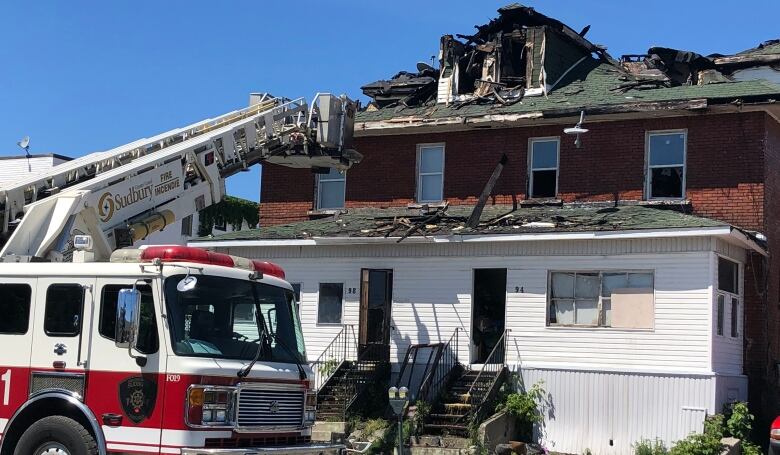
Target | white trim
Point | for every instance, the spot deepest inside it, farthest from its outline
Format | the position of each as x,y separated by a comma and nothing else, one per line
531,169
455,238
648,167
418,190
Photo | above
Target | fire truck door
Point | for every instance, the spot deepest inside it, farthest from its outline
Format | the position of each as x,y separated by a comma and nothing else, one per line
17,300
61,334
125,388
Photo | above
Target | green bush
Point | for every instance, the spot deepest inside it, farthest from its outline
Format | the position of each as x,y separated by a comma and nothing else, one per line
524,405
648,447
740,421
698,444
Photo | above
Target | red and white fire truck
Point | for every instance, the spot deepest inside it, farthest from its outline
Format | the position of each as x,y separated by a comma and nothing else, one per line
105,348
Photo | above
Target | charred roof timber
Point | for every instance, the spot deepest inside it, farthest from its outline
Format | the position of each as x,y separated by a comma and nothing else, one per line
524,53
502,62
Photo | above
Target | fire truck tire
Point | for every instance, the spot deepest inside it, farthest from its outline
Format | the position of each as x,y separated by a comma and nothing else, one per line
58,435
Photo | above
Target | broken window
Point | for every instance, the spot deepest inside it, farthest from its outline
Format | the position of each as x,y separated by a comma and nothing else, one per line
666,165
543,172
331,188
602,299
728,292
430,173
330,301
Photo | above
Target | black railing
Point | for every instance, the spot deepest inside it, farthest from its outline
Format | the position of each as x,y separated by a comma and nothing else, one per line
437,361
343,348
483,388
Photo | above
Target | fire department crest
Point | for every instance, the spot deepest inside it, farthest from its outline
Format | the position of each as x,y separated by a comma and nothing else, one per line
138,396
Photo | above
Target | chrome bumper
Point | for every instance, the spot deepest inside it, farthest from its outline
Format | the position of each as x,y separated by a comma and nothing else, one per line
305,449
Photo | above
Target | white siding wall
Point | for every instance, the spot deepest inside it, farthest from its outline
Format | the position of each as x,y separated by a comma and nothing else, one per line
607,412
17,168
726,350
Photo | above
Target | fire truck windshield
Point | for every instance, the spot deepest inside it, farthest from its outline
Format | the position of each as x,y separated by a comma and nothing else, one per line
220,318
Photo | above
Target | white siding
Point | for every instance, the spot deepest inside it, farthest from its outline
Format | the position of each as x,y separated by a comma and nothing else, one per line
607,412
727,351
17,168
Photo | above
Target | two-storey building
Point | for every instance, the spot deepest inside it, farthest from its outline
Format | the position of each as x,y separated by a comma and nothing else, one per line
632,267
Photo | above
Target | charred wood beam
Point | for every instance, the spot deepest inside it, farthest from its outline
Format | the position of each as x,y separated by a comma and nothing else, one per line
476,214
749,60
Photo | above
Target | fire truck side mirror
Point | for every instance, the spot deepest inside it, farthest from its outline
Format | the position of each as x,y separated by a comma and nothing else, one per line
128,316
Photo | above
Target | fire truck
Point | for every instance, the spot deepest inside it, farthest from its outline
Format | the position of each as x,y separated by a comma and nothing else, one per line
107,348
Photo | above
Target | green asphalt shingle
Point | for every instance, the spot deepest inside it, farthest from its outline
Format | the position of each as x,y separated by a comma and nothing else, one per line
361,223
592,86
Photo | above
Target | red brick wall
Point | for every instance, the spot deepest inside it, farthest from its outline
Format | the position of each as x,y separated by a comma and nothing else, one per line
724,173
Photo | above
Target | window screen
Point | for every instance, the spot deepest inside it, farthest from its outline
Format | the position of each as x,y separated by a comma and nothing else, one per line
14,308
430,173
148,342
64,308
331,189
721,310
544,168
666,165
330,301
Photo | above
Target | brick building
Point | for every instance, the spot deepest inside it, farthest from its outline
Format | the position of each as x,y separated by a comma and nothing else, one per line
667,130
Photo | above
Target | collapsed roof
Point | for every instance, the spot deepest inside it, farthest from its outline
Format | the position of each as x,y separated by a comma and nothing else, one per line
523,53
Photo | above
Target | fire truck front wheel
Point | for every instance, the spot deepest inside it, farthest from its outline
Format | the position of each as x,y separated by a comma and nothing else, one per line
56,435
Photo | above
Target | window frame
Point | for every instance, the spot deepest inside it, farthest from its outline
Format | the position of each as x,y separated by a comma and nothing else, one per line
728,302
343,298
649,167
599,305
531,169
81,312
318,199
419,175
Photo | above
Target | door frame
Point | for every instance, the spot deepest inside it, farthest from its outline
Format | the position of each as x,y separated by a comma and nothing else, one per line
473,303
363,306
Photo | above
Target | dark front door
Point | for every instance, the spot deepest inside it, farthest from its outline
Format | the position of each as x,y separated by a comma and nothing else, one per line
488,312
376,296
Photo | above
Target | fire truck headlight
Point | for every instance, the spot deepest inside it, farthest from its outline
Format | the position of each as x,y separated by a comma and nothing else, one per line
210,406
310,414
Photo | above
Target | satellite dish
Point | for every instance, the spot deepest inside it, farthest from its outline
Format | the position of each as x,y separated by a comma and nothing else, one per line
577,130
24,143
188,283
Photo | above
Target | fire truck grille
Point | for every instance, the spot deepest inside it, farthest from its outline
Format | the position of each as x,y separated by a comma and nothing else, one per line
269,408
57,381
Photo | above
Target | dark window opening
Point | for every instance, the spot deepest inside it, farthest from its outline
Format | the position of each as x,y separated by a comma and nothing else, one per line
148,342
720,315
64,309
667,182
330,301
544,183
728,276
734,317
15,308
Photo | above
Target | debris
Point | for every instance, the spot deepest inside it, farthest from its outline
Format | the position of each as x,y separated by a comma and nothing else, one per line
477,212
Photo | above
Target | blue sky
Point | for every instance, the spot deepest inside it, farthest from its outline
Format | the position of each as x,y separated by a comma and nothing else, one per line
85,76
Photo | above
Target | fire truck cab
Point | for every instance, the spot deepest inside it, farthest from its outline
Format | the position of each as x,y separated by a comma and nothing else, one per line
167,349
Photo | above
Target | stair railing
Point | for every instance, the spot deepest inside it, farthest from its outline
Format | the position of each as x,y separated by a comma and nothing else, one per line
484,383
342,348
441,370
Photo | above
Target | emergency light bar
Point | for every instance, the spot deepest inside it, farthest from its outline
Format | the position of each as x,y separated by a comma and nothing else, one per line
176,253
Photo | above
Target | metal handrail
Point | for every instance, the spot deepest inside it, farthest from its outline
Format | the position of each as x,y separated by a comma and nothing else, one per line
338,351
501,342
441,370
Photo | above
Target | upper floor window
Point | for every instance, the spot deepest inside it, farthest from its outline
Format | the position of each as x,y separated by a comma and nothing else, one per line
430,173
330,189
543,168
666,165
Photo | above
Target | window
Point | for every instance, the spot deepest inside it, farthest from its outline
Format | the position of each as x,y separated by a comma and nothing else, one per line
330,301
543,168
607,299
430,173
148,342
15,308
186,226
666,165
330,189
64,306
728,292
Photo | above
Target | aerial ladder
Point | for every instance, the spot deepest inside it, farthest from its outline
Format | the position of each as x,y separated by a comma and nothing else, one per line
96,204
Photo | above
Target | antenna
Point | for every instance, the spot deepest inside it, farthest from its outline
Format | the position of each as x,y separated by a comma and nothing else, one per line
577,130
